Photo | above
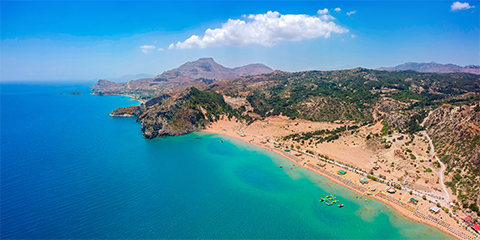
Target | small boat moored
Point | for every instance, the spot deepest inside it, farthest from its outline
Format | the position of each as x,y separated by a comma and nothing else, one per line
340,205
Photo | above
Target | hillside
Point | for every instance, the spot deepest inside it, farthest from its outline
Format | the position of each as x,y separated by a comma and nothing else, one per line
204,70
434,67
190,111
380,110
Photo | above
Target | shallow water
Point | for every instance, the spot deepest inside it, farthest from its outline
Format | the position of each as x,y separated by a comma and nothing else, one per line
70,171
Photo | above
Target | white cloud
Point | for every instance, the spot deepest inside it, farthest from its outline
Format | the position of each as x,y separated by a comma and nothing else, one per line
264,29
160,49
147,48
324,11
354,36
171,46
460,6
351,12
337,10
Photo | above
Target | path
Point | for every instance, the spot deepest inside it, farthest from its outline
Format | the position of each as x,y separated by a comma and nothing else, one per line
432,150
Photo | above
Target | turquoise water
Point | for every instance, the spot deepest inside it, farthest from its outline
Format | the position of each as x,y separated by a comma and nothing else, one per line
70,171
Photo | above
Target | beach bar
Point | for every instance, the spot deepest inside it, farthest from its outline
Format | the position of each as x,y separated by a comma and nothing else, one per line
413,200
363,180
391,190
341,172
434,209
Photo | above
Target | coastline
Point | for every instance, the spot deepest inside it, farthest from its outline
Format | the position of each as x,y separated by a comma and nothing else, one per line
403,211
142,102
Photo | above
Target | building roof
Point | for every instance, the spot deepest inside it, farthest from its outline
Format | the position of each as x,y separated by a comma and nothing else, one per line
467,219
413,199
434,209
342,172
363,179
476,227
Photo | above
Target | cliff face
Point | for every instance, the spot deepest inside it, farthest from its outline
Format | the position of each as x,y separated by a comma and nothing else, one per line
190,111
132,111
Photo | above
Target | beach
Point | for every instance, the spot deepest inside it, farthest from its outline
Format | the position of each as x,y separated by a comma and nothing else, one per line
263,136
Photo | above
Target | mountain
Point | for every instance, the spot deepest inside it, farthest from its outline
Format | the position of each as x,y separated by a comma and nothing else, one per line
207,68
126,78
434,67
202,70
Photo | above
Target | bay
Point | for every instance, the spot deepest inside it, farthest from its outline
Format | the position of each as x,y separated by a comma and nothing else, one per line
68,170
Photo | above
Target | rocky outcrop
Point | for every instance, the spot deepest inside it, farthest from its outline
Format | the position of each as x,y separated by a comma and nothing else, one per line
188,112
388,104
132,111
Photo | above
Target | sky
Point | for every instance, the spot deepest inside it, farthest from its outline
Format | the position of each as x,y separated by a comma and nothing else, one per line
89,40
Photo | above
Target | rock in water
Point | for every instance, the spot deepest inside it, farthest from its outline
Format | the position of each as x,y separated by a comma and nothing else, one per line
132,111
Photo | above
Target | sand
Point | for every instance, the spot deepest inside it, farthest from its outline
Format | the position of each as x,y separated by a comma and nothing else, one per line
352,150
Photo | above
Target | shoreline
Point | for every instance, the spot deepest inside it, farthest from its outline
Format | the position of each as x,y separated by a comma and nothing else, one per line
403,211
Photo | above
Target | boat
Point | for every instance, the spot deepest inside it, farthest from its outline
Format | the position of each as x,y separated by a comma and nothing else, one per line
281,166
340,205
221,141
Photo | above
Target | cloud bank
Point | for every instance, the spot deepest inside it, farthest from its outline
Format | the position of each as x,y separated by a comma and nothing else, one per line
266,30
460,6
147,49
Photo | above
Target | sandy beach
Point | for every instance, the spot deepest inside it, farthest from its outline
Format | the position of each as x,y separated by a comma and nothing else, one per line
265,134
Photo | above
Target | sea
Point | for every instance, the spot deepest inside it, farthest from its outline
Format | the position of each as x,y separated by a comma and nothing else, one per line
68,170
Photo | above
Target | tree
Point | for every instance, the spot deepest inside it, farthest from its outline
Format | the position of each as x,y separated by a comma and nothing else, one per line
424,197
438,204
474,207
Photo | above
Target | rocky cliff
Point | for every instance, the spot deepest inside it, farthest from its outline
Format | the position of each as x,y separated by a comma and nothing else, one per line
132,111
190,111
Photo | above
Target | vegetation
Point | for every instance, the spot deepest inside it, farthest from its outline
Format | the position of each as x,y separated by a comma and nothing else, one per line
320,136
351,97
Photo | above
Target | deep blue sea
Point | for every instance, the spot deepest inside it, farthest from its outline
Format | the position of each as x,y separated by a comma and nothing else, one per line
68,170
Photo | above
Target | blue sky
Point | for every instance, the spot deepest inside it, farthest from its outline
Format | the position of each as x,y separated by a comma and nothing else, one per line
90,40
